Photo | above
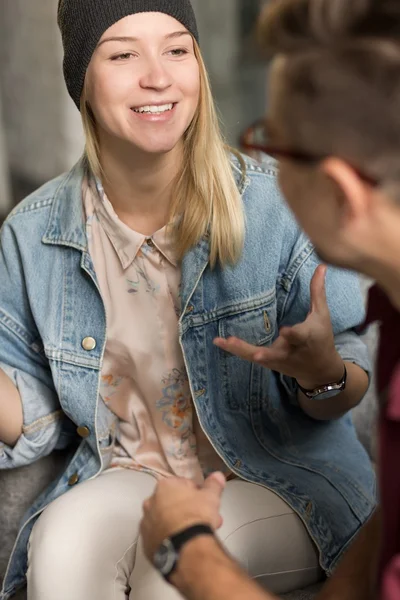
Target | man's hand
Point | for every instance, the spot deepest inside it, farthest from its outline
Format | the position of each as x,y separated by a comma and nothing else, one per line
177,504
306,351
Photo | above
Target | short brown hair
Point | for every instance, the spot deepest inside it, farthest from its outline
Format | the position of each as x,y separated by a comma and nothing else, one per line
341,78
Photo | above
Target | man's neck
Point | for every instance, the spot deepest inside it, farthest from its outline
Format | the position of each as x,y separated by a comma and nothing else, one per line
386,272
391,285
140,186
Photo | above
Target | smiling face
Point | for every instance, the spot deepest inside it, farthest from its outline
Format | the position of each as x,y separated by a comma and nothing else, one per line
143,82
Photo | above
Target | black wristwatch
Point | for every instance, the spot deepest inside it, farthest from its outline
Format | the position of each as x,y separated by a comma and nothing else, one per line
324,392
167,556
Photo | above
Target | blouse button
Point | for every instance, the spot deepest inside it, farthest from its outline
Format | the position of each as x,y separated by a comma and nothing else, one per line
150,242
89,344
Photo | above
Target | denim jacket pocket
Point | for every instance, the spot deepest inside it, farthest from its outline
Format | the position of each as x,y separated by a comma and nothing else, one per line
257,327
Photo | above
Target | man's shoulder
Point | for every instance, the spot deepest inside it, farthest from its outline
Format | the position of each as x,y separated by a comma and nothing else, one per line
381,310
391,582
393,408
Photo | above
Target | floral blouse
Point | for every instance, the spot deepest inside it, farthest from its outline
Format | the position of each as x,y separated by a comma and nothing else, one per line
144,380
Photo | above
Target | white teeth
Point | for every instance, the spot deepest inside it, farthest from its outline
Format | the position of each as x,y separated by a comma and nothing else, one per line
154,109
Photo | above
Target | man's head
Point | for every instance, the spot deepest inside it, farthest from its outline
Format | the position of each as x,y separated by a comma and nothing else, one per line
335,98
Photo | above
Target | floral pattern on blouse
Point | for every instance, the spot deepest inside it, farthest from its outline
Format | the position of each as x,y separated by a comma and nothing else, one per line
176,407
143,380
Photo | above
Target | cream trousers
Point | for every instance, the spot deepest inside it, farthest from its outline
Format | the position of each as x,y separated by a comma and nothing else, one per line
86,545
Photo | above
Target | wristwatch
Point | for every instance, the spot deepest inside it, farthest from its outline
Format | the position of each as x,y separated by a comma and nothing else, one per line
167,556
324,392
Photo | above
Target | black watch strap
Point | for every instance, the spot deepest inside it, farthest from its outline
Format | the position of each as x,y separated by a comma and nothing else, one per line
180,539
338,386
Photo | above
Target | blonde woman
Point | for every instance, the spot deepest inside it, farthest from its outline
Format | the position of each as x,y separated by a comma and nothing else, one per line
120,282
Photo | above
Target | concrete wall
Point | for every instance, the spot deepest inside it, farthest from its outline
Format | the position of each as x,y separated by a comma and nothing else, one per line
44,134
218,26
238,86
42,125
5,192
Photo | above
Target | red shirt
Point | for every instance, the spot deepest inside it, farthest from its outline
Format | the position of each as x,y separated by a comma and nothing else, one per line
388,381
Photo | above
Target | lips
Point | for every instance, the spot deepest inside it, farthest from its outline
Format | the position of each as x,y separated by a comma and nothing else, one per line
154,109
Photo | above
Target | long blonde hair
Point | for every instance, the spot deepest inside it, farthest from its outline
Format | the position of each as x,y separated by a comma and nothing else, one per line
207,197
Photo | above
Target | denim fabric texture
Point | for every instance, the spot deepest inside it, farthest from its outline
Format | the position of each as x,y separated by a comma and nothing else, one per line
50,302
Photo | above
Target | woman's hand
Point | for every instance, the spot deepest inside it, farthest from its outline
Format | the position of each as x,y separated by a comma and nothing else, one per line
11,413
305,351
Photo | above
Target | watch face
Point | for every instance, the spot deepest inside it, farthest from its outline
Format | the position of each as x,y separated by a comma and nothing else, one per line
327,395
165,557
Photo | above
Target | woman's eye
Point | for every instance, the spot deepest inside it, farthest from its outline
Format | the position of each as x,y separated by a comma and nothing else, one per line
178,52
124,56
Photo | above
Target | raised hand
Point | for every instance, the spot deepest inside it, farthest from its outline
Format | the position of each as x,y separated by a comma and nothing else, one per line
305,351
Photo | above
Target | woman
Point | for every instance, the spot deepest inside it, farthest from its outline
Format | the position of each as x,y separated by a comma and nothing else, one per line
156,244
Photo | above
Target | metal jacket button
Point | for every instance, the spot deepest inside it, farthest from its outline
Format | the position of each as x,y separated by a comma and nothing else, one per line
73,480
89,344
83,431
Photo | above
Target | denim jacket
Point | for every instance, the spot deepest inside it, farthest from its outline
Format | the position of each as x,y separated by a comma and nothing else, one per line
50,303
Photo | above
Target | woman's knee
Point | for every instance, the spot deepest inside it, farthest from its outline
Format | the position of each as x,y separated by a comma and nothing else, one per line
268,539
273,544
89,533
65,539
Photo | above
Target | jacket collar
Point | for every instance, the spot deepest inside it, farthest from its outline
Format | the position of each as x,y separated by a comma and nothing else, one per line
66,226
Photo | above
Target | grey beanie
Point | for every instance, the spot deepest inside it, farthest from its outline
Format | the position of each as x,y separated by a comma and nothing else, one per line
83,22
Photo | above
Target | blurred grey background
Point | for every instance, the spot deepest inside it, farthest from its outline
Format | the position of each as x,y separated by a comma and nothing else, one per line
40,128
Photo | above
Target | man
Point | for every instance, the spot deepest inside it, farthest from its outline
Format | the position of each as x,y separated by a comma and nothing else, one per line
334,126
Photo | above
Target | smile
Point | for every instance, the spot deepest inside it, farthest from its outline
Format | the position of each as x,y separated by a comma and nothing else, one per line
154,109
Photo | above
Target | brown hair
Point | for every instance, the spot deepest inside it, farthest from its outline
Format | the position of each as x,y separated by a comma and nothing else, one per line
341,78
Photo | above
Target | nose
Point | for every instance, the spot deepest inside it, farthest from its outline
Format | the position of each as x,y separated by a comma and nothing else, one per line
155,76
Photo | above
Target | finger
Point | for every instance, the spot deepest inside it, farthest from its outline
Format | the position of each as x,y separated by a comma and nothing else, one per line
176,482
268,356
215,483
146,505
220,522
277,352
172,485
295,336
263,356
218,476
237,347
318,290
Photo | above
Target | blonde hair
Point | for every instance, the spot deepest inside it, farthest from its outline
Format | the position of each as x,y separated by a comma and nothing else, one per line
207,197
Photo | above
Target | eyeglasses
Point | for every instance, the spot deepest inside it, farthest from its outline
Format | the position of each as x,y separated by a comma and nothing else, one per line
256,142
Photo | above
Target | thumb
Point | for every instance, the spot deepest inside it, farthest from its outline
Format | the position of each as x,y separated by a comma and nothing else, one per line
215,483
318,290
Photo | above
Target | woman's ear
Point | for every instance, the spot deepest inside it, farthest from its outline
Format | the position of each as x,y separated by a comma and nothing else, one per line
353,194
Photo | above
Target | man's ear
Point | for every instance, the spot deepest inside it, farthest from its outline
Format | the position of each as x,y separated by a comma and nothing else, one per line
353,194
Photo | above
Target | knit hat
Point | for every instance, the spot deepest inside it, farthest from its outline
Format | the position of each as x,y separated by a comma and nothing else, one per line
83,22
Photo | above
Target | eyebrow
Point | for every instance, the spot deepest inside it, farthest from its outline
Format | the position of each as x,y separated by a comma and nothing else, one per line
175,34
